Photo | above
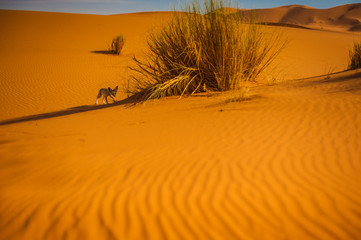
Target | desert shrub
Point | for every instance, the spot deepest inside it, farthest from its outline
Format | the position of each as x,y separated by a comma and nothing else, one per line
118,44
355,56
205,47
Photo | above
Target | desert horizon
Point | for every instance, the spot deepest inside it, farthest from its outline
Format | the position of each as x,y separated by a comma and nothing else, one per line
277,159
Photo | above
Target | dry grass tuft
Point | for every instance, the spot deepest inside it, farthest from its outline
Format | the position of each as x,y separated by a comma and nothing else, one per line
117,44
204,48
355,57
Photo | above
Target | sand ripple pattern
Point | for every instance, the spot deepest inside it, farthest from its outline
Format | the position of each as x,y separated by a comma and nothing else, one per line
285,166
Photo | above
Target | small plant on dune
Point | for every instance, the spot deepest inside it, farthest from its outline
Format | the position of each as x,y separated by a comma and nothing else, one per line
207,47
355,57
118,44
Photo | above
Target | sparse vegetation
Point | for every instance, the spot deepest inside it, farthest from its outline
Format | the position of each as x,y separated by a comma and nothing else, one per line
207,48
118,44
355,56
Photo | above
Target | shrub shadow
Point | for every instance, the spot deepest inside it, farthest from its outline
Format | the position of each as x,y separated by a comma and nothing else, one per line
133,100
106,52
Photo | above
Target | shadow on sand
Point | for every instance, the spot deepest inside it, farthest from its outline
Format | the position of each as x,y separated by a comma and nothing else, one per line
133,100
106,52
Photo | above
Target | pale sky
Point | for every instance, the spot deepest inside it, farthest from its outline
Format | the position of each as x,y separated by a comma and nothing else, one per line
126,6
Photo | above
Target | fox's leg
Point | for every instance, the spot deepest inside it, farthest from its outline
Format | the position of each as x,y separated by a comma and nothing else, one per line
104,99
98,96
112,98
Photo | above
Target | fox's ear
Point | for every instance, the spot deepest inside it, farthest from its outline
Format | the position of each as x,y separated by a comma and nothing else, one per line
116,88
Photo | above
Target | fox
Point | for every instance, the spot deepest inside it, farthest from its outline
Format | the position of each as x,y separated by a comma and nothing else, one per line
107,92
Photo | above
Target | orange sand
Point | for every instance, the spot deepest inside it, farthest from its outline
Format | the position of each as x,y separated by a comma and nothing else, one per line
285,164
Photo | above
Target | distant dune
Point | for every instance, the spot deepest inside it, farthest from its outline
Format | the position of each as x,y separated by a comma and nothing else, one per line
285,163
345,17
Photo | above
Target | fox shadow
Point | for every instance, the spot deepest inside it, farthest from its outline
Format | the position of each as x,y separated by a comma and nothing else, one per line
131,101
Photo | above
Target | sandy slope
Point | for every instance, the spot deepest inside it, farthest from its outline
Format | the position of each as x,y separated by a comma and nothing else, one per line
283,165
51,61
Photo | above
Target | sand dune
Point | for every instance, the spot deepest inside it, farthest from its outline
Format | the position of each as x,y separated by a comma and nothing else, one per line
345,17
285,164
54,61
